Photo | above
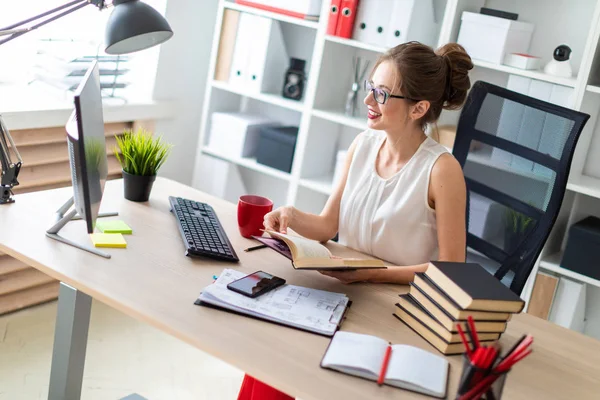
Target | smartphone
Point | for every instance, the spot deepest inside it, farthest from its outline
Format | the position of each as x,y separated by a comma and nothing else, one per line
255,284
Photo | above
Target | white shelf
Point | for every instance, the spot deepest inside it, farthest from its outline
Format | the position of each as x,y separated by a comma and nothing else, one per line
322,184
356,44
552,263
276,99
273,15
340,118
593,89
249,163
585,185
534,74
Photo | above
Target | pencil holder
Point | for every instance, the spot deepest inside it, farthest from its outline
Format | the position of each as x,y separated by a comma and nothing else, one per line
472,375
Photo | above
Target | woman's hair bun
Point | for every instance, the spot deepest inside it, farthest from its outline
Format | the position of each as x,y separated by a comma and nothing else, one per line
458,66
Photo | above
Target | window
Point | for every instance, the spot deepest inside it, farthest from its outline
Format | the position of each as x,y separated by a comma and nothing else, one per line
39,57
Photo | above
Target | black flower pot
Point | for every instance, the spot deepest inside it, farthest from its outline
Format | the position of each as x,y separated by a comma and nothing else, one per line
137,187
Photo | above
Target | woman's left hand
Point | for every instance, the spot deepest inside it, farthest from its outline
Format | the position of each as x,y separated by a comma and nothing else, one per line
364,275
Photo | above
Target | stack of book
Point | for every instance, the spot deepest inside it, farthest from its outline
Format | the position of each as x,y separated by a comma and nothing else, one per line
447,294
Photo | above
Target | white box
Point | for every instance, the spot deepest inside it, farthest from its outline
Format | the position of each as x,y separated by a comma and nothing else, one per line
236,134
490,38
522,61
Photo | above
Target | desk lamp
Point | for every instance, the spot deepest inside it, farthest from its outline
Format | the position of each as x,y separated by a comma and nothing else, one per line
131,27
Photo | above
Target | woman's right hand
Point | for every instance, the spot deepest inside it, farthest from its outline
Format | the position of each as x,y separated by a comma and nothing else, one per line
278,220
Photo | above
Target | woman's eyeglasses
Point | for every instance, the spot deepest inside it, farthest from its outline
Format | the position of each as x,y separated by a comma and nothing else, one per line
380,95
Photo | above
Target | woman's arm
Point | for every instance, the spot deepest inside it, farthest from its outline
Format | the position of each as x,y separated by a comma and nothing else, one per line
448,196
321,227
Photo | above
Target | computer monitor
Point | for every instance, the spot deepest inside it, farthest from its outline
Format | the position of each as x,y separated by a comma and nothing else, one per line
87,148
87,156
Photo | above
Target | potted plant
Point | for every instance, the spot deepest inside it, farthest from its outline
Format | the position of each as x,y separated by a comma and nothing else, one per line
140,156
517,228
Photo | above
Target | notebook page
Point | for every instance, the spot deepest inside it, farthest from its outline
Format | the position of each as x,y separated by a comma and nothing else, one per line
354,351
418,370
312,309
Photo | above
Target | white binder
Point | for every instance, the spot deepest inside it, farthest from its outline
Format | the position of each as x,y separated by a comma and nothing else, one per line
260,58
372,17
410,20
241,52
268,57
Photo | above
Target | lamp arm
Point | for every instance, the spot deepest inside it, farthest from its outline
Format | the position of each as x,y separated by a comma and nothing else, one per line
70,7
10,169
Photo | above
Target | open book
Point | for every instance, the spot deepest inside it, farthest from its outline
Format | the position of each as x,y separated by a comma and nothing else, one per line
408,367
310,254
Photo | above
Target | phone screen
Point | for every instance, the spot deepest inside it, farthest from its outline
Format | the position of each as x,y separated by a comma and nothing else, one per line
255,284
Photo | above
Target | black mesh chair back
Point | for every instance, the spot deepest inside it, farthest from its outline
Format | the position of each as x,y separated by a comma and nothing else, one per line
516,153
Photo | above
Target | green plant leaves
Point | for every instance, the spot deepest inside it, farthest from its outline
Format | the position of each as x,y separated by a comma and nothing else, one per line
141,154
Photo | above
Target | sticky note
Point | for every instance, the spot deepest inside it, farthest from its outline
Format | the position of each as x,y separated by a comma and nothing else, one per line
114,226
108,240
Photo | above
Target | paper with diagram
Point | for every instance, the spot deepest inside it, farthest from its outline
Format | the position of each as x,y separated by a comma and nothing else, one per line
304,308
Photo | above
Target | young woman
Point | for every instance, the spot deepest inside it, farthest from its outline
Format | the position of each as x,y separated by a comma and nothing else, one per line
402,196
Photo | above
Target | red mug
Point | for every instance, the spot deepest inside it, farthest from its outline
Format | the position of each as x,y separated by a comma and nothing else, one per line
251,213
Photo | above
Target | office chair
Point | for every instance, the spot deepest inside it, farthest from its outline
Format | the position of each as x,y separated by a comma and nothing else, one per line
516,153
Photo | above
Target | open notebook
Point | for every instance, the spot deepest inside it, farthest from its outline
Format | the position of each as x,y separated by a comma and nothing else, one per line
312,310
408,367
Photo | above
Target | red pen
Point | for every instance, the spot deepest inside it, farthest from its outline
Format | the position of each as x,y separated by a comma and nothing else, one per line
386,361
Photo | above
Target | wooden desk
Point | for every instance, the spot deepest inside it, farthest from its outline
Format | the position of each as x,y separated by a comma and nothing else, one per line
153,281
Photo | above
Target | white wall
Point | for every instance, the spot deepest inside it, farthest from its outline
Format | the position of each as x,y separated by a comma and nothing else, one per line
181,77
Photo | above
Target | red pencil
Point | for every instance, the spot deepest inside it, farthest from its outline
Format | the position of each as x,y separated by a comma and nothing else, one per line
386,361
473,331
465,342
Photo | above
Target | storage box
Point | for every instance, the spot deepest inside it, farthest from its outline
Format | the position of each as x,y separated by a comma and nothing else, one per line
236,134
490,38
522,61
583,248
276,147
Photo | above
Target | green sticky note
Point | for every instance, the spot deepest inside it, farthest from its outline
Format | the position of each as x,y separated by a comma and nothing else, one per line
108,240
114,226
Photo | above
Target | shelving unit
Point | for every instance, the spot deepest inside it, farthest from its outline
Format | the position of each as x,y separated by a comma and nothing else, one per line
324,129
552,263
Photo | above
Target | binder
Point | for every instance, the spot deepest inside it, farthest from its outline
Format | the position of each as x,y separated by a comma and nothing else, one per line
346,19
260,58
334,14
553,134
372,20
229,27
510,120
532,123
305,9
241,52
410,20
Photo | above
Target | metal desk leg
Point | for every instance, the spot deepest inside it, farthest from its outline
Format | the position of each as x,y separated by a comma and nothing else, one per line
70,341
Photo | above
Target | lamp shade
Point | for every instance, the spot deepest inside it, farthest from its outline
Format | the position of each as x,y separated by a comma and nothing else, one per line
135,26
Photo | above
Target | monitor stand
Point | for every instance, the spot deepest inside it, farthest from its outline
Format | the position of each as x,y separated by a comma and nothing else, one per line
62,220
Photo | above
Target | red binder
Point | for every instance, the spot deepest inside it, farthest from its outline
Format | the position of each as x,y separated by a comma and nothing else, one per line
334,16
346,20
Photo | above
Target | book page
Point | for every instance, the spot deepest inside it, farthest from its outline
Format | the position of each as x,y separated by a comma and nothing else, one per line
312,309
305,248
353,351
417,369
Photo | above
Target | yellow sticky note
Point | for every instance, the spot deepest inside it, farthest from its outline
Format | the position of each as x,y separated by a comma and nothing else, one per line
108,240
113,226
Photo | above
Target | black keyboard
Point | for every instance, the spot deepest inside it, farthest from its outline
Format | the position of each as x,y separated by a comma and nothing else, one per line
201,230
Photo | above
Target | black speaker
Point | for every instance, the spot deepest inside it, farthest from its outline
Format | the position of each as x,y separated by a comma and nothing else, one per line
293,85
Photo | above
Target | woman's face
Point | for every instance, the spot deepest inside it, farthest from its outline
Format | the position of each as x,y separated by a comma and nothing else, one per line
395,112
